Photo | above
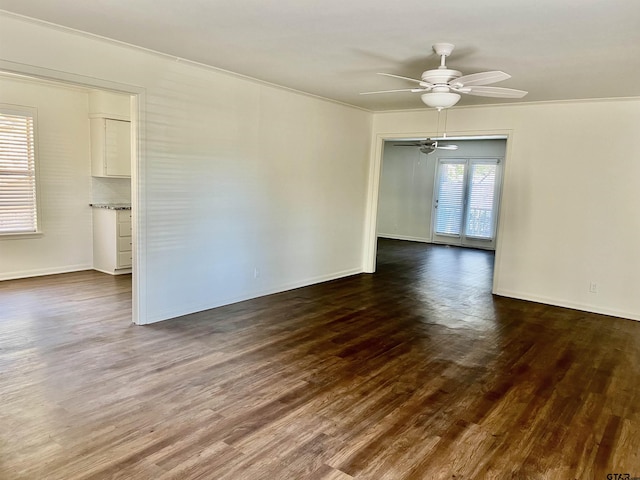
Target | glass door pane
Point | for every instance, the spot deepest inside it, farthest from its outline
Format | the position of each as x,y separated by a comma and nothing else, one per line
466,200
450,198
481,196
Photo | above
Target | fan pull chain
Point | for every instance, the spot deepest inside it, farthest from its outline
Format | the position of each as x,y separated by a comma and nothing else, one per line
446,117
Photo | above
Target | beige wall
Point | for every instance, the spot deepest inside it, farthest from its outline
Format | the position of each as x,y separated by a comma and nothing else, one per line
242,188
245,189
64,183
569,207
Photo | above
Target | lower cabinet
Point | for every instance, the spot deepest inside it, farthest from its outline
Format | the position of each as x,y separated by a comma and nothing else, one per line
112,251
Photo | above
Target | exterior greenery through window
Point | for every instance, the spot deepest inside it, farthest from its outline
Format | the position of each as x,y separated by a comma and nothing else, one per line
18,207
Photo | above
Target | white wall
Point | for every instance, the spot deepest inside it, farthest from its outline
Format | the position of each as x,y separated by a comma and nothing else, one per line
405,200
570,200
63,179
406,193
242,188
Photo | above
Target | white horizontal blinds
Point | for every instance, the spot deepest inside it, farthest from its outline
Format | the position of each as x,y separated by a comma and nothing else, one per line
450,201
18,213
480,209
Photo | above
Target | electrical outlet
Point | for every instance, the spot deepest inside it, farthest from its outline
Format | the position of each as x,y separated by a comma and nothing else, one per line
256,273
593,287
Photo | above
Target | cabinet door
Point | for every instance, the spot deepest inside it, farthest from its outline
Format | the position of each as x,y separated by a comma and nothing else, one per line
117,148
125,260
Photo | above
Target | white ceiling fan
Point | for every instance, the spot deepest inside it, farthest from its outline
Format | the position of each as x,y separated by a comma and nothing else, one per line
443,86
428,145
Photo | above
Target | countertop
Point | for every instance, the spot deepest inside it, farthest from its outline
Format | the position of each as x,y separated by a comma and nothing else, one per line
112,206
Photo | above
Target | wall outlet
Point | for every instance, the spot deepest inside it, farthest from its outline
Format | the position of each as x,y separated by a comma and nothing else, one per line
593,287
256,273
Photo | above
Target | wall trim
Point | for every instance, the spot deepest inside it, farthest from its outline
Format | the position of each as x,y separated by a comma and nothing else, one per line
517,104
171,314
41,272
558,302
409,238
173,58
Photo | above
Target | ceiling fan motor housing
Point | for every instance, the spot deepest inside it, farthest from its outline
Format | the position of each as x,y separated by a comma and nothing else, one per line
440,76
427,149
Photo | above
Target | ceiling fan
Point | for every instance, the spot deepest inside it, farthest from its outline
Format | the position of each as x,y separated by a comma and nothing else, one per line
443,86
428,146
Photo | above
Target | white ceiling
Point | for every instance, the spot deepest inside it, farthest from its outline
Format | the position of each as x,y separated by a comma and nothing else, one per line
555,49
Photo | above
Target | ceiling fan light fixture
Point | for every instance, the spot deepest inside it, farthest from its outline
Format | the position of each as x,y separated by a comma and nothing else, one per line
440,100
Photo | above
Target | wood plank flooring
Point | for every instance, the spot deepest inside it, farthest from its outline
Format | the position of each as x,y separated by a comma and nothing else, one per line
416,372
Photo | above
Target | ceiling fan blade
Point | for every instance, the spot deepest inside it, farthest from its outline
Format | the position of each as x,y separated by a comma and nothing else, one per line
496,92
482,78
421,82
393,91
428,145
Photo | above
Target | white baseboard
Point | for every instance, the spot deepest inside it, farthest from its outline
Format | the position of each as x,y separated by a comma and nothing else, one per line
558,302
169,314
109,272
393,236
40,272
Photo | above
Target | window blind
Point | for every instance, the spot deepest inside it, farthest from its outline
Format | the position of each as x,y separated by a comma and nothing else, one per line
18,212
481,200
450,198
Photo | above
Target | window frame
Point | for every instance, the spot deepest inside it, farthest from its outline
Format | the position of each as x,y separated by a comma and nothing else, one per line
27,111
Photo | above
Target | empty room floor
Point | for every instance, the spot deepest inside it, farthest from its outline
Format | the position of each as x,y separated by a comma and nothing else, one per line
415,372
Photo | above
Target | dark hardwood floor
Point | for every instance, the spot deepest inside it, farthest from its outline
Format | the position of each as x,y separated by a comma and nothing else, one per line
415,372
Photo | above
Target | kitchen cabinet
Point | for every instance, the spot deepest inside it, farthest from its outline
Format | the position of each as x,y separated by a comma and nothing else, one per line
112,245
110,147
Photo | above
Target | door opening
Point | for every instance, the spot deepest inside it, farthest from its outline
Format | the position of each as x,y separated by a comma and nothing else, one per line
401,176
135,98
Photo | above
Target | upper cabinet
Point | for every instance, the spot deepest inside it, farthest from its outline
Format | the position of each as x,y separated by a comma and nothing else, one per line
110,148
110,134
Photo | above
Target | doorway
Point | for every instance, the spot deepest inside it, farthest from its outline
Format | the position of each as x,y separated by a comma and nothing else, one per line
493,145
134,99
448,196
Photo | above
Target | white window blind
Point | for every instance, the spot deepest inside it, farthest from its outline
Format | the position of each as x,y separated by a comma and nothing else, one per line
18,210
466,201
480,210
450,202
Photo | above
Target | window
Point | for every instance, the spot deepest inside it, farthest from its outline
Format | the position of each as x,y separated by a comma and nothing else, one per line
18,208
466,201
480,204
450,199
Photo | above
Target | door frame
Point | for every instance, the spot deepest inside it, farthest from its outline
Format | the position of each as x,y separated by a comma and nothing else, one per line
370,248
138,101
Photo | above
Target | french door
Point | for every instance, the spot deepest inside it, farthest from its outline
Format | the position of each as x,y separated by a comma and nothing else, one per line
466,201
